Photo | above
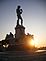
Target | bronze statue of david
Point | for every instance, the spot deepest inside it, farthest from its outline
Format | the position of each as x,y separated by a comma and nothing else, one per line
19,12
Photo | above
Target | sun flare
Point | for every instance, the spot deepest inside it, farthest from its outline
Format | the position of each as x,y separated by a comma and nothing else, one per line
34,42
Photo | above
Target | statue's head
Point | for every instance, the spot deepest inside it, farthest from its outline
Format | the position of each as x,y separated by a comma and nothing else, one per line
19,6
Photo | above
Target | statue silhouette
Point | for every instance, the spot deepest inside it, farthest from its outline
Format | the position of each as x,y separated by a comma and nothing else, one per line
19,12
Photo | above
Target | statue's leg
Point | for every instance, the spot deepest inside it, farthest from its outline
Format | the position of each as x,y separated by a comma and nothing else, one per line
18,21
21,20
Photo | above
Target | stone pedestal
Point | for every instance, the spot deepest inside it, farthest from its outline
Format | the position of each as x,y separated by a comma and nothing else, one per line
19,31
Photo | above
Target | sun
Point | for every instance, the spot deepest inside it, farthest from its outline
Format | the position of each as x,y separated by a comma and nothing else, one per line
31,43
34,42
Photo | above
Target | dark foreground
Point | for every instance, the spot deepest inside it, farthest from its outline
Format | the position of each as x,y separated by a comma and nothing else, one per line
22,56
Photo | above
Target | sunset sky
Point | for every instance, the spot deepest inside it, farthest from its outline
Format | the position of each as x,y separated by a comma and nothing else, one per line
34,17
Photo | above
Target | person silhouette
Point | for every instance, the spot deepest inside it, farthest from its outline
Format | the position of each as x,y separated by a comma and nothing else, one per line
19,12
